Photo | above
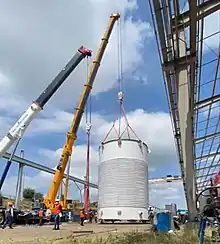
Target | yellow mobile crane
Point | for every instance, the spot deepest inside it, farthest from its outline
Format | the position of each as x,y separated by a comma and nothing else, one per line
72,133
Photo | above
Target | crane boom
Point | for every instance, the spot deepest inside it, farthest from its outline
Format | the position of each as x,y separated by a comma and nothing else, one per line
72,133
20,126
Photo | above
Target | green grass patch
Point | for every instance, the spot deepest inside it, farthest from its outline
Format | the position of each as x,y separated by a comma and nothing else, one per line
143,238
186,236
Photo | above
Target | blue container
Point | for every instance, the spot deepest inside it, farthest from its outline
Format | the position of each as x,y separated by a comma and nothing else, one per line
76,218
163,222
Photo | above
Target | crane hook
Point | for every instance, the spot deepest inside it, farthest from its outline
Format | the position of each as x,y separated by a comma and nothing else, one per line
88,127
120,96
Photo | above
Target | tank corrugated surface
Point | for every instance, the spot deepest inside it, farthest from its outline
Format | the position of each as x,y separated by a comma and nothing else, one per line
123,184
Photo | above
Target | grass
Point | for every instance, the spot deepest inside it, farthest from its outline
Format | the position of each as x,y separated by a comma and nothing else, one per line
189,237
183,237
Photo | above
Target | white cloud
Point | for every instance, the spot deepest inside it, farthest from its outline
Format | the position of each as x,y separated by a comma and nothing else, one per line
4,125
41,181
78,160
214,110
152,128
47,40
34,51
167,193
211,30
159,194
44,43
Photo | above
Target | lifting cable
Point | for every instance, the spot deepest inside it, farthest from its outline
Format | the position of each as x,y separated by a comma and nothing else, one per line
89,103
120,79
88,129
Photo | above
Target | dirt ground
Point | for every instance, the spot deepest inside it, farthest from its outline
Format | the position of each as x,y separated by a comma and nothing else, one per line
28,234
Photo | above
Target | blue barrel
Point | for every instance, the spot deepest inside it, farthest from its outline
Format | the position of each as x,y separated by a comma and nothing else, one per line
76,217
163,222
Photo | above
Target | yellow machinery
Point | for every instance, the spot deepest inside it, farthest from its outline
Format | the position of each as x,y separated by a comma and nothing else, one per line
72,133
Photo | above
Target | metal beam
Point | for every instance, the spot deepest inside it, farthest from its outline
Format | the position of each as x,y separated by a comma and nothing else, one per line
168,54
160,27
45,169
207,137
182,62
180,68
208,167
207,156
201,176
207,102
186,128
200,184
204,183
203,10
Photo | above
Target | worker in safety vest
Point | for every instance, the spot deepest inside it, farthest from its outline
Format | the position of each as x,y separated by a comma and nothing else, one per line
9,215
82,216
57,211
41,215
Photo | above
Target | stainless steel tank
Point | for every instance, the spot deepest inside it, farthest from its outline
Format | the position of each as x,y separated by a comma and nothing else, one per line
123,180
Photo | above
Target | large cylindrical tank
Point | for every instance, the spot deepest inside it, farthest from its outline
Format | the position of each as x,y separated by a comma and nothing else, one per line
123,180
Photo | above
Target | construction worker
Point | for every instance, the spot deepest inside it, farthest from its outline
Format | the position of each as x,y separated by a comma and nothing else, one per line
82,216
9,214
57,214
96,217
90,215
141,216
41,215
151,215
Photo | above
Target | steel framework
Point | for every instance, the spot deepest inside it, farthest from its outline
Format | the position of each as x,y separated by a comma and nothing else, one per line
44,168
188,39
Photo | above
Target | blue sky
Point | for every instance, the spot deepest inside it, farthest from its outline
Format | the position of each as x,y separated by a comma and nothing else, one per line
43,55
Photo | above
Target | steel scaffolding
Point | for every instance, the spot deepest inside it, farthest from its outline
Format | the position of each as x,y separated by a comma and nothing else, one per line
191,72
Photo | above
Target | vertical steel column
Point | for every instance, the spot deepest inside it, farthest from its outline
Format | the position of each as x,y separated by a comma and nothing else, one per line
19,186
80,192
186,128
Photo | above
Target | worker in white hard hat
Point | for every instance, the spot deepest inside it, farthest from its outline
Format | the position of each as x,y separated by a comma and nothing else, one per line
9,214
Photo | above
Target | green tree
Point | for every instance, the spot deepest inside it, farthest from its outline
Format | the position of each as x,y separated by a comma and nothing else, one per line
28,193
38,196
